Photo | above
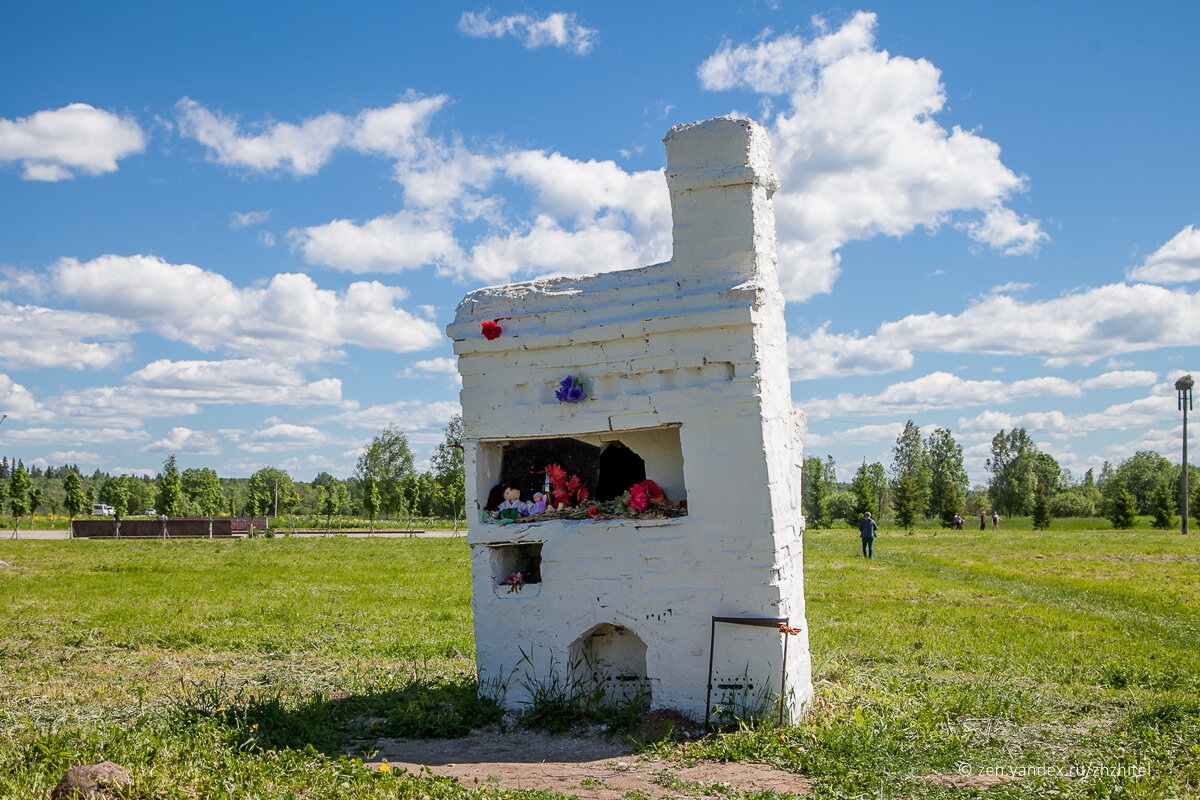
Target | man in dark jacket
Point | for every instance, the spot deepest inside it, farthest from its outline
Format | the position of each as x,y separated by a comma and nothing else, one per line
866,531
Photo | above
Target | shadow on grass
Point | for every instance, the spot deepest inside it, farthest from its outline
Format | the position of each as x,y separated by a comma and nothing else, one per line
270,718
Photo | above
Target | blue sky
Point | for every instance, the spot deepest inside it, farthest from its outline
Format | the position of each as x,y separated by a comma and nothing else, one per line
236,231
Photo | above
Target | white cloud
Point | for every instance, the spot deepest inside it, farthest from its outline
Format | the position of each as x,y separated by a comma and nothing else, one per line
1002,230
858,435
1177,261
546,248
74,437
240,220
19,402
71,457
36,337
395,131
385,244
186,440
557,30
59,144
1122,379
825,355
289,320
418,418
1078,328
234,382
444,367
300,149
266,238
858,151
284,436
1156,409
935,391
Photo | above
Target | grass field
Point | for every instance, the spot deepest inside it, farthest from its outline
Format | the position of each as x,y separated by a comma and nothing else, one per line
1069,661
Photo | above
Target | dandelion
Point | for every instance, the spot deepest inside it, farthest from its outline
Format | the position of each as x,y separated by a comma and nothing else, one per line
222,708
384,768
254,727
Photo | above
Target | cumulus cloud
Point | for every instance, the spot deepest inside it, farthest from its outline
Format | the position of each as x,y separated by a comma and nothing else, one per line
935,391
303,149
547,248
859,153
857,435
444,367
36,337
186,440
19,402
234,382
385,244
284,436
559,29
423,421
58,144
1004,231
1078,328
240,220
1177,261
289,320
825,355
1121,379
41,436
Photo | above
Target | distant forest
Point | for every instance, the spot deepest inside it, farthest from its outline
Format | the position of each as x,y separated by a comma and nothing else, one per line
926,480
384,485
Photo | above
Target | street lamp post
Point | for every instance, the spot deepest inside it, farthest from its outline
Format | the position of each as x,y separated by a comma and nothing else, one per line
1184,387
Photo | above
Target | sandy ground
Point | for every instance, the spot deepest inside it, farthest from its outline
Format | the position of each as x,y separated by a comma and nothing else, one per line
589,767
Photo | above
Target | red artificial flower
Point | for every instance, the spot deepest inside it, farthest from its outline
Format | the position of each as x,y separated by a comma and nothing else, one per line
591,512
558,475
638,500
582,494
653,490
490,330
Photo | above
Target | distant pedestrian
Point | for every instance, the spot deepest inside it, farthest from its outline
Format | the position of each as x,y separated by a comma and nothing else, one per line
957,521
982,520
866,531
995,521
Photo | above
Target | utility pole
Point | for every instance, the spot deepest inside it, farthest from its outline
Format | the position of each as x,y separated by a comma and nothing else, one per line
1184,387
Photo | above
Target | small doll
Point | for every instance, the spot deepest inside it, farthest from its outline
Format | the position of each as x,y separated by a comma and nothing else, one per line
512,507
537,506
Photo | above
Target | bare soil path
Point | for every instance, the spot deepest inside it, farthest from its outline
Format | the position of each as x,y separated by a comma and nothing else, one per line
587,767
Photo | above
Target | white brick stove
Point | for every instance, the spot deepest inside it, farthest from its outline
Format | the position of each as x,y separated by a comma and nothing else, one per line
685,364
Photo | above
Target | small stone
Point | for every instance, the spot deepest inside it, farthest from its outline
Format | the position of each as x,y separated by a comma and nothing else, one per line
4,564
91,782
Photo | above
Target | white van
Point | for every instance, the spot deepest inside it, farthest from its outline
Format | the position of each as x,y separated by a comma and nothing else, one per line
101,510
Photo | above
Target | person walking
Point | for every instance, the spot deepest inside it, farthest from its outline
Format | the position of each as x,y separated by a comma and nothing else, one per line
995,520
983,520
866,531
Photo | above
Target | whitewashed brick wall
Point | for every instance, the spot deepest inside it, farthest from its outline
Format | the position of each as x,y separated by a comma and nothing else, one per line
686,363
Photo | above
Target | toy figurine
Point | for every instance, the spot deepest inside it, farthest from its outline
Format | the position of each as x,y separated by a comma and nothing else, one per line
537,506
512,507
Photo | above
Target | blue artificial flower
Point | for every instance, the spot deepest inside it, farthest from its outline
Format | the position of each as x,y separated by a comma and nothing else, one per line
570,390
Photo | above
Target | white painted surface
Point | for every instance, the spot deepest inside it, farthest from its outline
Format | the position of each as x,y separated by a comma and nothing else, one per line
686,363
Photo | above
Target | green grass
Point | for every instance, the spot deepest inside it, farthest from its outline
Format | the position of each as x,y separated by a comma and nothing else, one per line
246,668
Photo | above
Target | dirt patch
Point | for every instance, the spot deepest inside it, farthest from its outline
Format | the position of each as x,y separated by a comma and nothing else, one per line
587,767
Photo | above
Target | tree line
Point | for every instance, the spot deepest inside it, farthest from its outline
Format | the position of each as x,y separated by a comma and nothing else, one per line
385,484
926,481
